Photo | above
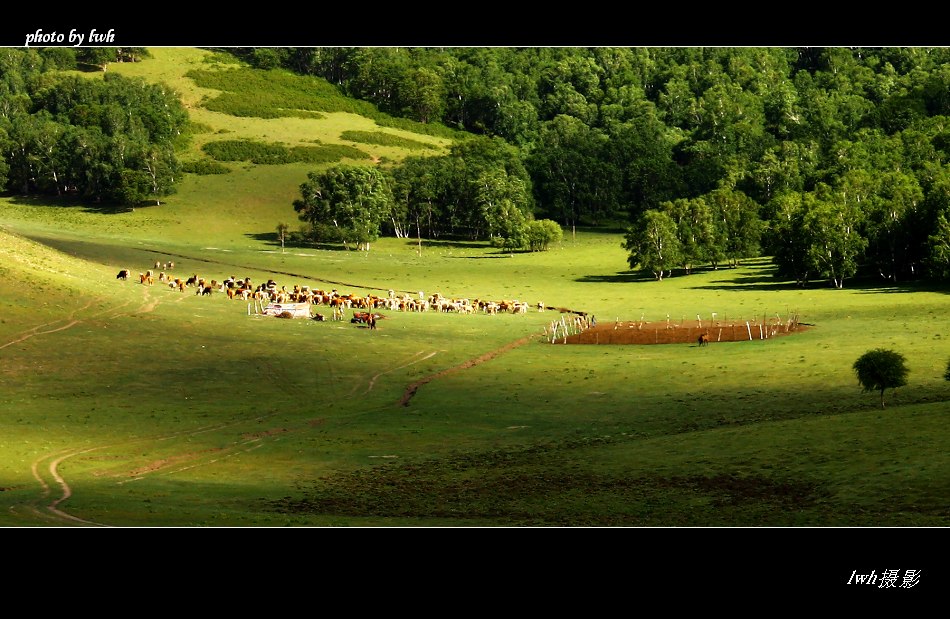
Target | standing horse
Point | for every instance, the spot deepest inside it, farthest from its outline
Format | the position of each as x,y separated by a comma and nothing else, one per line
704,339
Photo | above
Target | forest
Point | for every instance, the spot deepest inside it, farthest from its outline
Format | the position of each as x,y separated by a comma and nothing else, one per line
833,161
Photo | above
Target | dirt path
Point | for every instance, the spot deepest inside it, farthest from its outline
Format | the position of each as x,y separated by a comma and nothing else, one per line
52,509
36,330
414,387
49,504
372,381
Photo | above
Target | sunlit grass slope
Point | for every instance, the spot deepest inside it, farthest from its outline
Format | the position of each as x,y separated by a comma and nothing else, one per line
125,404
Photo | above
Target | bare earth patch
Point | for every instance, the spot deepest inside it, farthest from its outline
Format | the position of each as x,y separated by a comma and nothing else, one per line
681,332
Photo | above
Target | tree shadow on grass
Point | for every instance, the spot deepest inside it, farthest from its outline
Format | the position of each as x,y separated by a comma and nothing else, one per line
75,202
765,279
500,254
623,277
271,238
448,244
861,285
878,287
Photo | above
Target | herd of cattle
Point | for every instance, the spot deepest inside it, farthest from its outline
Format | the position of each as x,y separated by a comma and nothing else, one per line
338,302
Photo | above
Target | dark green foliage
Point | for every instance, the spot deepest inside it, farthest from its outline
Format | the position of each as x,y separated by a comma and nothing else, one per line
326,153
109,140
946,374
480,189
542,233
58,58
97,57
382,138
653,244
433,129
267,57
831,160
345,203
132,54
881,369
278,93
248,150
276,154
204,166
272,94
259,105
607,131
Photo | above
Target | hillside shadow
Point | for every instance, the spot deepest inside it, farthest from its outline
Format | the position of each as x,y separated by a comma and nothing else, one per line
606,229
768,280
271,238
500,254
878,287
447,244
74,202
623,277
764,278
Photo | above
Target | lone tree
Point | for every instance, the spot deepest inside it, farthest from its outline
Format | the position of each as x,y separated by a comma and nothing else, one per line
881,369
282,229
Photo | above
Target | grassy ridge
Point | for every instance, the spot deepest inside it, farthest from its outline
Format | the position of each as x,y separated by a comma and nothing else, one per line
163,408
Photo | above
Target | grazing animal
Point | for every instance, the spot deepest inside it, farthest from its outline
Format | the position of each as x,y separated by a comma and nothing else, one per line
704,339
123,274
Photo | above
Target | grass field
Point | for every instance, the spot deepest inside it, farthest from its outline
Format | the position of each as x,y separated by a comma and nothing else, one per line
133,405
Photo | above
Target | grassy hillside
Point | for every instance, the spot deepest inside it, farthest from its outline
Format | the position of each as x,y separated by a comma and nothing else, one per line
133,405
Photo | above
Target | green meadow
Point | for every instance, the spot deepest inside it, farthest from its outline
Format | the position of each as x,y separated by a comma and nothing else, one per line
129,405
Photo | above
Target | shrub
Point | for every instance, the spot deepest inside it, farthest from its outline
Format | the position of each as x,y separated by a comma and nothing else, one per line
881,369
327,153
204,166
248,150
382,138
273,154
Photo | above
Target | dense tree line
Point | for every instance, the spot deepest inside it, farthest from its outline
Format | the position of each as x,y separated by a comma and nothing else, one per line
480,190
104,141
832,160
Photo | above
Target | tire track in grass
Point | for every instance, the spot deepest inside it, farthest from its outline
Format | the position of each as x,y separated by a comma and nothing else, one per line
53,509
149,304
25,335
162,466
372,381
66,490
243,445
414,387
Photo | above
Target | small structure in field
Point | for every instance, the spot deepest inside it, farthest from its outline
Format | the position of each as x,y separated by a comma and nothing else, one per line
287,310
